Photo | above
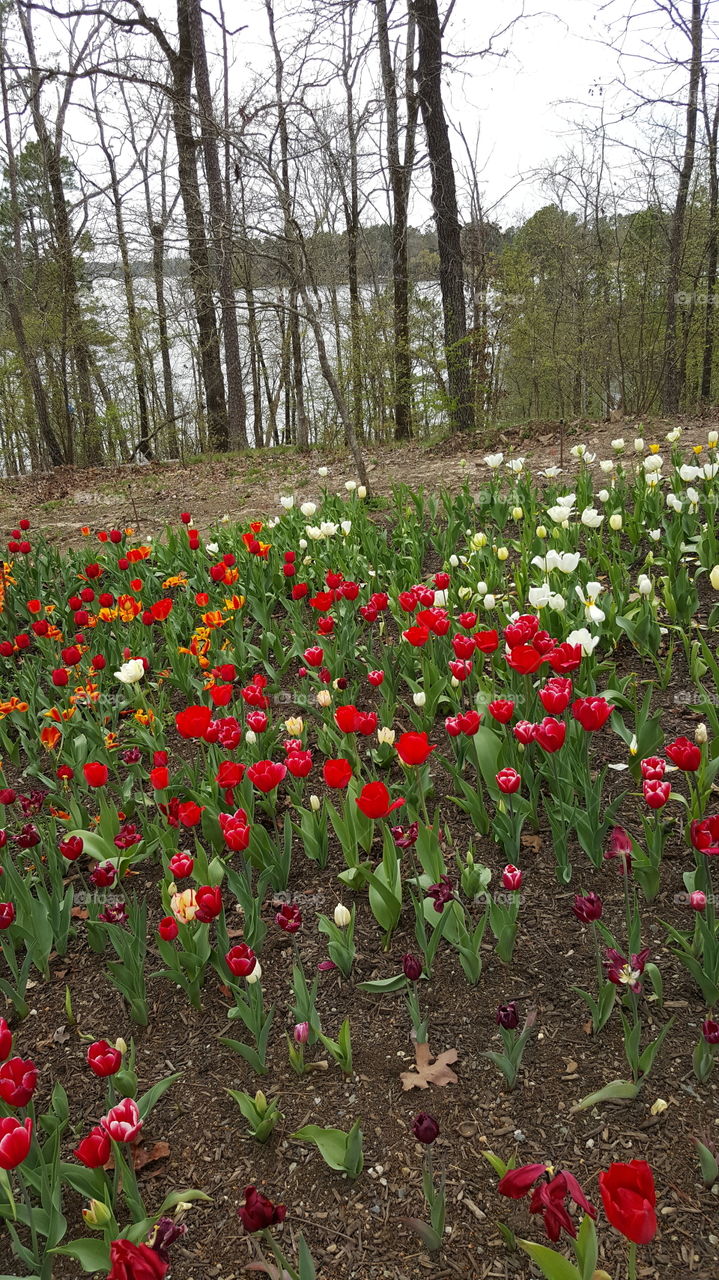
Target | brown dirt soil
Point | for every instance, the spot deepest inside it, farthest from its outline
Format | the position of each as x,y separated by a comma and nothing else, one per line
247,485
354,1230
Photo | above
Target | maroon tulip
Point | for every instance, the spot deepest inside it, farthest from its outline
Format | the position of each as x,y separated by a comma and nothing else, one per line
289,918
587,908
425,1128
507,1016
258,1212
412,967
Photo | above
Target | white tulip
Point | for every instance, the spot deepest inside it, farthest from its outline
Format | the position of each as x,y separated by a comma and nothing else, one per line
713,439
639,445
582,637
494,460
315,803
130,672
539,596
419,698
328,529
345,526
489,602
211,548
615,522
516,465
644,585
591,518
606,466
482,588
709,470
287,501
361,491
386,735
688,473
714,577
350,485
342,916
303,544
654,534
557,602
454,562
502,553
323,698
589,596
308,509
674,502
323,471
250,737
674,435
654,462
551,472
618,444
603,496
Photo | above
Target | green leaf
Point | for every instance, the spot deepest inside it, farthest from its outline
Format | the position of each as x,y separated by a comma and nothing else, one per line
500,1168
152,1097
380,985
553,1265
616,1089
307,1266
93,1255
708,1163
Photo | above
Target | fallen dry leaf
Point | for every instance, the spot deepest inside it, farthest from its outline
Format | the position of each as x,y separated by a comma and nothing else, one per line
532,842
430,1072
142,1155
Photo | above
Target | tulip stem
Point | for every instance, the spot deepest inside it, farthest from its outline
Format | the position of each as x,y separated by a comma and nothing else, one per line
632,1261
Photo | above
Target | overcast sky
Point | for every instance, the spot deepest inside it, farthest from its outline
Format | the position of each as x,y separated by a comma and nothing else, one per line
520,109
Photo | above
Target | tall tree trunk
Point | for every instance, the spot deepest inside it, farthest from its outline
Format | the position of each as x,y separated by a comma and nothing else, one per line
221,223
32,369
444,204
672,389
711,126
293,266
198,252
400,172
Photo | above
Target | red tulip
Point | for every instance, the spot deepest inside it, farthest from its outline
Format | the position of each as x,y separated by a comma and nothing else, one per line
18,1078
209,903
524,659
565,658
189,813
592,713
629,1198
653,768
508,781
416,636
181,865
486,641
193,721
525,732
347,719
241,960
413,748
555,695
7,913
550,734
501,710
258,1212
512,877
5,1040
229,775
96,774
374,801
94,1150
289,918
130,1261
656,792
266,775
15,1139
122,1122
103,1059
684,754
299,763
235,830
337,773
159,778
168,928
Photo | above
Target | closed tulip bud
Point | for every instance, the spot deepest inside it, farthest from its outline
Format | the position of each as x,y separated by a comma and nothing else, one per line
315,804
517,513
615,522
512,877
697,900
342,916
324,698
419,698
412,967
97,1215
489,601
713,439
714,577
700,735
454,562
541,531
507,1016
425,1128
502,553
301,1033
361,491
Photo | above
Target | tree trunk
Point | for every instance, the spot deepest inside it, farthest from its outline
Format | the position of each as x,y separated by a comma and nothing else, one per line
198,253
399,177
712,133
672,389
444,204
27,355
221,223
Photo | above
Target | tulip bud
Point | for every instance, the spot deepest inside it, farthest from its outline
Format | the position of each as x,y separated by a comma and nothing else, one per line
302,1032
713,439
697,900
454,562
425,1128
502,553
482,588
361,491
419,698
342,916
250,737
714,577
324,698
121,1046
315,804
507,1016
517,513
412,967
260,1102
512,877
615,522
97,1215
541,531
256,973
489,601
700,735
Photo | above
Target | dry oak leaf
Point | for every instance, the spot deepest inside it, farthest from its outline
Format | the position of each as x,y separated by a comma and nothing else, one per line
430,1072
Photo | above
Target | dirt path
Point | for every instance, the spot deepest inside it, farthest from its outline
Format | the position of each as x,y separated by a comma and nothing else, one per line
249,485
